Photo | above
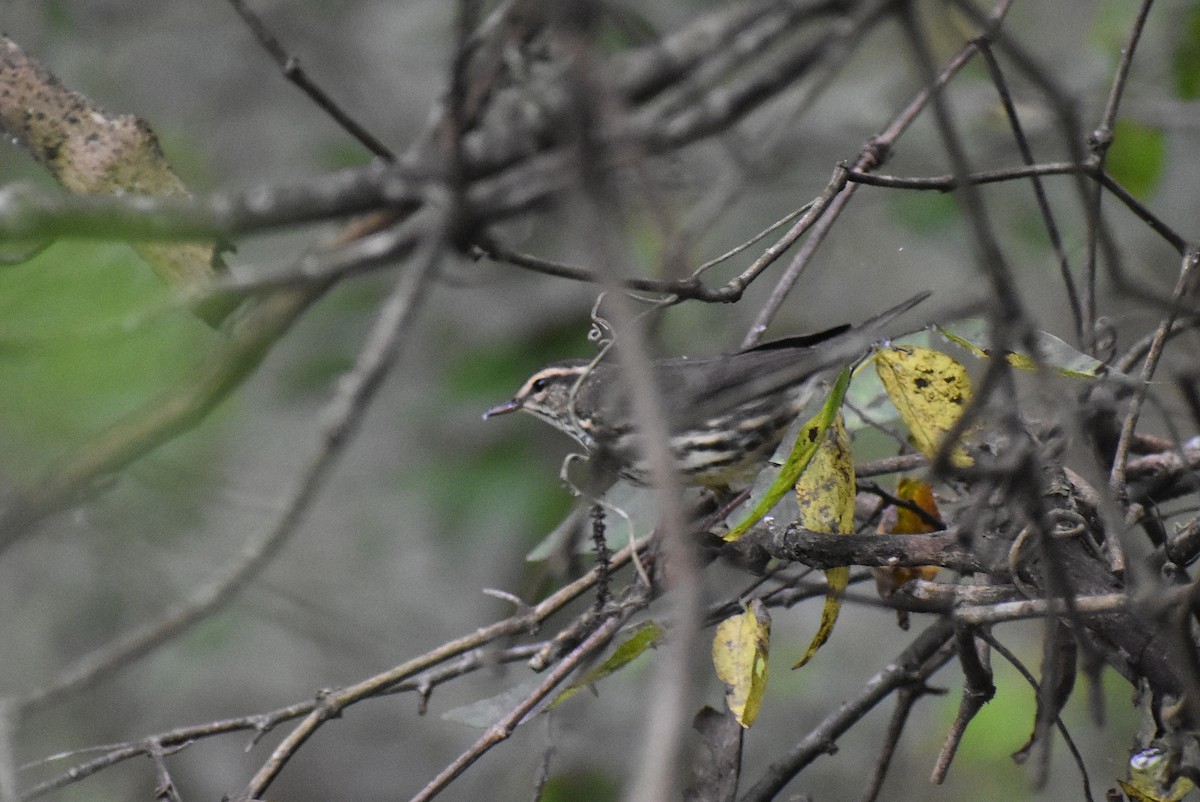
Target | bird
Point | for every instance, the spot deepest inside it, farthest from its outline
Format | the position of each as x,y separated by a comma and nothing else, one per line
726,415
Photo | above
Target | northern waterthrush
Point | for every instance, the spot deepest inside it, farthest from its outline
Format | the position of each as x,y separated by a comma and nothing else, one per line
726,415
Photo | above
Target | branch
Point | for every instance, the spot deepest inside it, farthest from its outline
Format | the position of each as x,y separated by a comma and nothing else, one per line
92,152
290,67
330,705
922,657
344,413
502,729
947,549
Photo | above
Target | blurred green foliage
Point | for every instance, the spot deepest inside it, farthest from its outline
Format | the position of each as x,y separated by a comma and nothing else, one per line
580,786
1137,157
1000,728
1185,59
87,335
58,16
925,212
498,472
341,318
494,372
499,478
1110,27
338,154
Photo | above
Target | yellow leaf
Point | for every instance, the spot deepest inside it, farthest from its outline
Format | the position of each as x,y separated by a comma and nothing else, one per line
798,459
740,657
837,579
1135,794
919,493
1150,770
825,492
930,391
906,522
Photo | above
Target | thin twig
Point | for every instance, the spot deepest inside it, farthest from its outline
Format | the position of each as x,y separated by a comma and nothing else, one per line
1008,655
907,698
1098,143
331,704
344,413
989,256
978,689
503,728
289,65
1039,191
982,615
949,183
868,160
262,723
1184,285
1143,212
926,648
164,786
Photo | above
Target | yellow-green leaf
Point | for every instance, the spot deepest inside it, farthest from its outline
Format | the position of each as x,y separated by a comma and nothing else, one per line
644,636
825,493
1150,772
1051,351
797,461
930,391
739,655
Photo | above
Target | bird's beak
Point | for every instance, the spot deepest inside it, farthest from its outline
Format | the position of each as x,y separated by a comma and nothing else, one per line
503,409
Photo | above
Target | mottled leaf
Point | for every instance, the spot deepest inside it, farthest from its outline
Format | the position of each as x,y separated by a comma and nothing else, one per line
930,391
739,655
825,493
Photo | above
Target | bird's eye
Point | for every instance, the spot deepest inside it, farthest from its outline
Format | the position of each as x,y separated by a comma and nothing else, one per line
539,385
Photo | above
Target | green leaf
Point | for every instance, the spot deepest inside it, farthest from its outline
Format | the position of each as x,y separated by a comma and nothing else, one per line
645,635
802,453
1185,59
1137,157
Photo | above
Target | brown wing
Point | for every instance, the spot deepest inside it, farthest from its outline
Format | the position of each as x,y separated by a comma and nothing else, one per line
695,389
